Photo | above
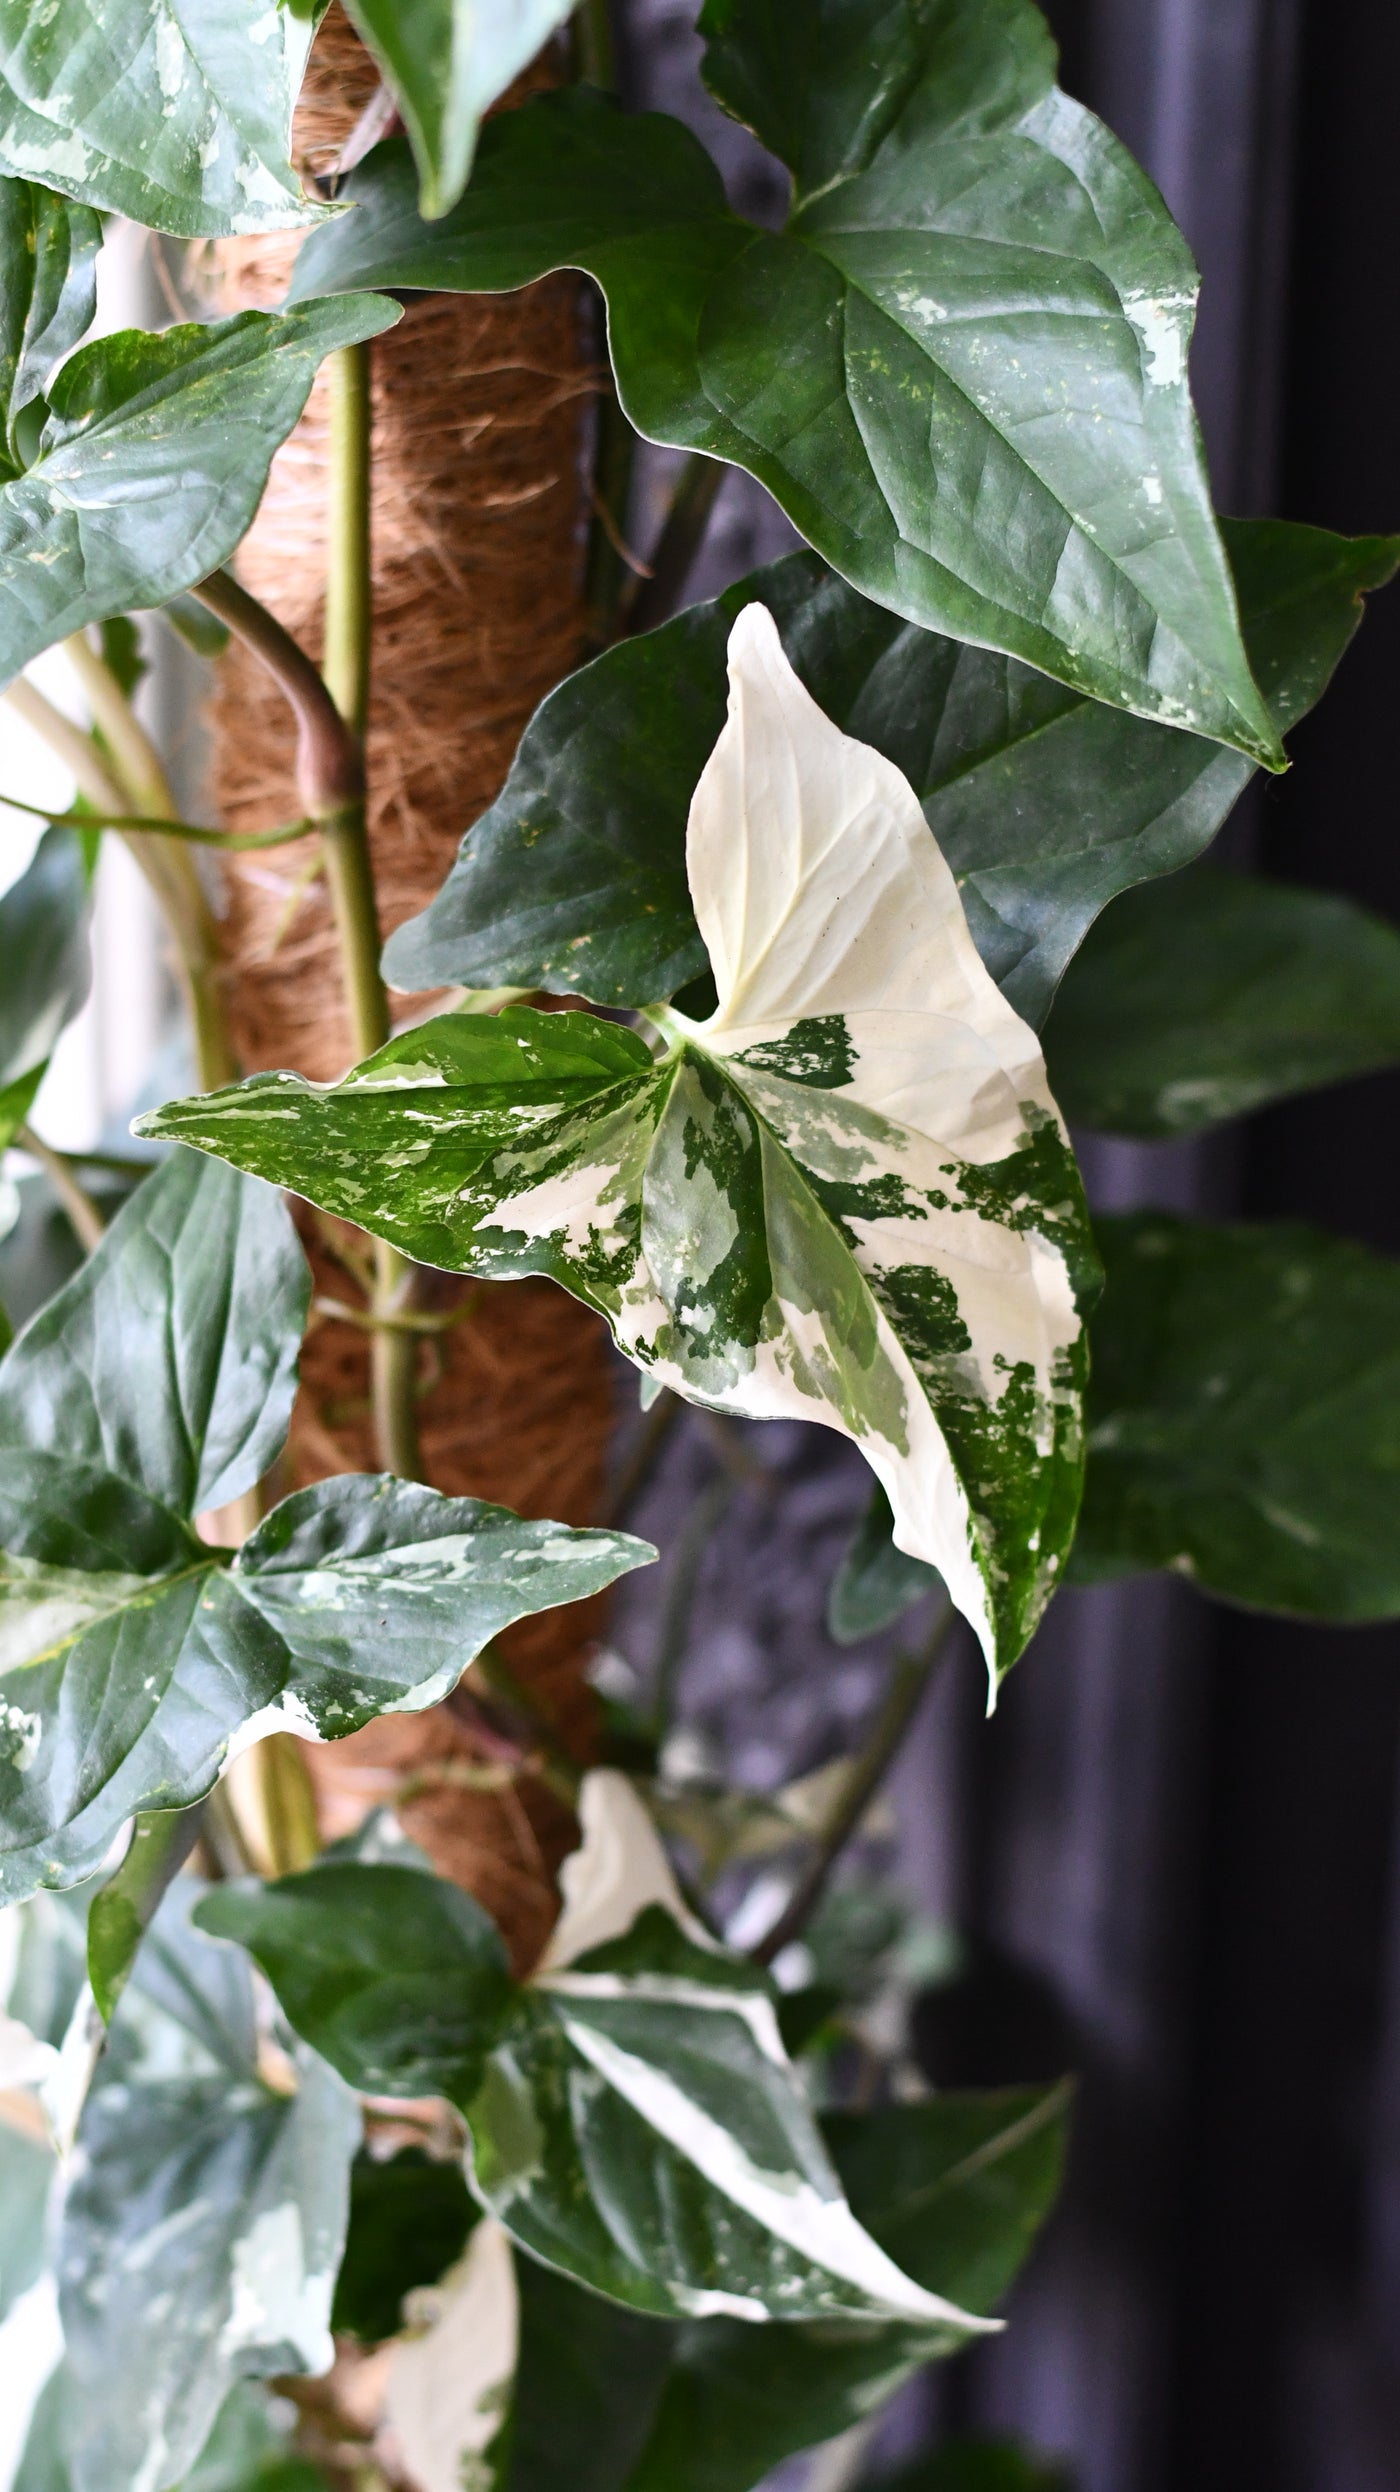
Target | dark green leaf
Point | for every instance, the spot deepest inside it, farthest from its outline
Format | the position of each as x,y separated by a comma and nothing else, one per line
45,957
178,117
1044,803
1244,1416
977,2466
587,2381
121,650
1214,993
875,1582
398,1979
447,61
244,2190
152,462
409,2222
961,368
48,295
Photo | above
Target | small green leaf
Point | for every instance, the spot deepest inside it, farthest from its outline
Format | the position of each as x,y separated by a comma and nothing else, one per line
960,368
875,1582
1244,1416
122,1911
447,61
174,112
48,296
409,2221
1213,993
398,1979
847,1197
244,2188
152,462
1044,803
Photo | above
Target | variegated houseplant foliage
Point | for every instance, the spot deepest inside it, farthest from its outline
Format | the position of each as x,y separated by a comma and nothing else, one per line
814,860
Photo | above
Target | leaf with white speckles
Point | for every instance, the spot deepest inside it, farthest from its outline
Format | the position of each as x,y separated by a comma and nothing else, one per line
174,112
204,2219
961,365
157,1385
848,1197
151,463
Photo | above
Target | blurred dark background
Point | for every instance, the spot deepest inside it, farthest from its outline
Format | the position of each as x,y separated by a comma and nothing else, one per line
1173,1854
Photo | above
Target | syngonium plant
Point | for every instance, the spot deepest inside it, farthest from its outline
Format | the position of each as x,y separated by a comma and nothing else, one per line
832,868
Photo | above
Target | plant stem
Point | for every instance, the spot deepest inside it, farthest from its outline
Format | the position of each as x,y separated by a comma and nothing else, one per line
349,619
595,53
649,602
908,1681
172,874
104,820
71,745
83,1214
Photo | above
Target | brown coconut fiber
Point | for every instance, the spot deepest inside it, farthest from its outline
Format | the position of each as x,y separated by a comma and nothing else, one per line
480,410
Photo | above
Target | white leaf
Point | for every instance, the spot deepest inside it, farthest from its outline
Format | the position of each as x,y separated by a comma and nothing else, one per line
619,1868
447,2389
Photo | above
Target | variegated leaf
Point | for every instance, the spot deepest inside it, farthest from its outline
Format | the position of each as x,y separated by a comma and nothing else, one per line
847,1197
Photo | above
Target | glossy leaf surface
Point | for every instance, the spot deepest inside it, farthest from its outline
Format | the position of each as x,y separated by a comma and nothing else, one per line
174,112
244,2189
1215,993
48,295
1045,804
1243,1416
640,2129
157,1385
398,1979
447,61
961,367
151,463
847,1197
714,2405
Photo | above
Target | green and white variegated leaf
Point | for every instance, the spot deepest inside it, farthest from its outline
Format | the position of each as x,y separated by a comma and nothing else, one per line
174,112
449,2385
151,462
446,62
203,2221
48,295
133,1656
847,1197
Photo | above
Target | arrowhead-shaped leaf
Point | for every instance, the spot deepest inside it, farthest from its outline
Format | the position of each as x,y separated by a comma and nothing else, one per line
174,112
956,2188
1215,993
1043,802
156,1385
960,368
1243,1424
203,2221
152,462
447,61
846,1198
48,295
